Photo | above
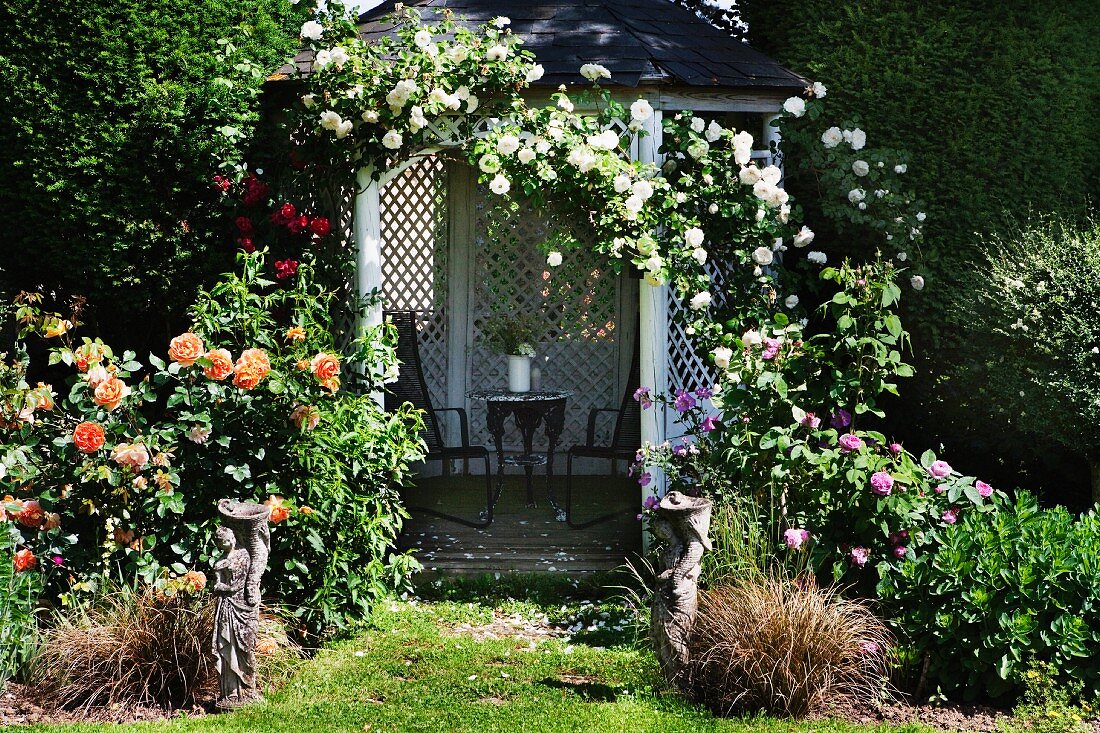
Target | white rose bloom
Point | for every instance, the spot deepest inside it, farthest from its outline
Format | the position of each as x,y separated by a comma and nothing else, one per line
343,129
698,149
763,191
791,301
784,213
330,120
312,30
198,434
439,96
594,72
819,90
713,209
804,236
699,255
795,106
641,110
749,175
422,38
861,168
742,140
497,53
832,137
489,163
564,103
880,192
472,103
859,139
392,140
507,144
763,256
722,356
536,72
900,168
681,197
322,58
499,185
818,258
778,245
526,155
694,237
621,182
771,174
698,124
917,282
543,147
370,116
751,338
902,256
417,120
856,195
310,101
340,57
714,131
921,216
582,159
634,203
699,301
554,259
862,205
606,140
643,189
502,21
760,214
459,53
654,263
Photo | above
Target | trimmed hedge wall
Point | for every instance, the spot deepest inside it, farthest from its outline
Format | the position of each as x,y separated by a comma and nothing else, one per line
109,135
999,104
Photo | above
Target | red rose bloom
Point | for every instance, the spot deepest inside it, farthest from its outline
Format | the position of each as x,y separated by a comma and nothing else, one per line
244,224
298,224
255,191
246,244
320,226
286,268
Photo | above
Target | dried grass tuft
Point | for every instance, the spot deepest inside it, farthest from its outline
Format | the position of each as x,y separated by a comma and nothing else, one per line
785,648
142,648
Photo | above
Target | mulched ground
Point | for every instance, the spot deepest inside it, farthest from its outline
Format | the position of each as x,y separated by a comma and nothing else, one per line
20,705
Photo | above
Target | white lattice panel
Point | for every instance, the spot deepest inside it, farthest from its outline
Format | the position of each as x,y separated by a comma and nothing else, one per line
414,261
579,302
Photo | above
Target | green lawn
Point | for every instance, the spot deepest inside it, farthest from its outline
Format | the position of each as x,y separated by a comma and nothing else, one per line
417,669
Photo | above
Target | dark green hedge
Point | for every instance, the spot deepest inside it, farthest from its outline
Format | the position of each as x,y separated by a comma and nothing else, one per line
999,104
109,119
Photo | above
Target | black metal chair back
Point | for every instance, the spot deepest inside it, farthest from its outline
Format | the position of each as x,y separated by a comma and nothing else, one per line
411,386
628,423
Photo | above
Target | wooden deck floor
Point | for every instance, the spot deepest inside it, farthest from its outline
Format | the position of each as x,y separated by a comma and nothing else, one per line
523,539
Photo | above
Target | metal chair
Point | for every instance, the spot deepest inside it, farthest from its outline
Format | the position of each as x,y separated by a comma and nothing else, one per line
625,441
411,388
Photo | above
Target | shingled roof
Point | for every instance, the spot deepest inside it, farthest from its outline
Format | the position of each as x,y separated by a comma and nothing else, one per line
641,42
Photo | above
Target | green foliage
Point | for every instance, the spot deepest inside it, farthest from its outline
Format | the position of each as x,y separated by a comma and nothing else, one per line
18,604
1049,704
1033,355
1007,587
511,334
113,117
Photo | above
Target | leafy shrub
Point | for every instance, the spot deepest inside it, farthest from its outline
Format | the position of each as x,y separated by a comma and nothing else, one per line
1033,355
135,458
145,646
784,647
112,127
1049,705
1005,587
19,591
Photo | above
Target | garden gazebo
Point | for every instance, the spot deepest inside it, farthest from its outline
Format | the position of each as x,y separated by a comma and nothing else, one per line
428,237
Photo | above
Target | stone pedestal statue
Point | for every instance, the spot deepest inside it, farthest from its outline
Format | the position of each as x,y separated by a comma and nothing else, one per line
683,522
245,539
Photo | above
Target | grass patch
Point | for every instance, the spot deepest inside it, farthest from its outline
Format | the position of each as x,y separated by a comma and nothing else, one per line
418,667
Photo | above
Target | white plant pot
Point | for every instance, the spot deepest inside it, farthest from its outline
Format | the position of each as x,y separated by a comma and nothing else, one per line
519,373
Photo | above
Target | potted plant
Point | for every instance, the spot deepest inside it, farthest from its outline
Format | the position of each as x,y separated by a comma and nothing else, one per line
513,336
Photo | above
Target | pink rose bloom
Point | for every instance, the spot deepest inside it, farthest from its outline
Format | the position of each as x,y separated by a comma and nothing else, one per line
850,442
899,551
811,421
941,488
950,516
795,538
984,489
771,349
708,424
860,556
940,469
134,455
895,448
882,483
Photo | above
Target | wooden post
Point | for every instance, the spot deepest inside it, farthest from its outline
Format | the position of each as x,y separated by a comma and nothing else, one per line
367,227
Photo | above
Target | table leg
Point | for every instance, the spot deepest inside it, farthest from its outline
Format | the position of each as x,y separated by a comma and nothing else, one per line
528,420
555,424
495,415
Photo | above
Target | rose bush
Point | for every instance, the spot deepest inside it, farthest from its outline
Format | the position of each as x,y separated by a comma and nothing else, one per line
135,456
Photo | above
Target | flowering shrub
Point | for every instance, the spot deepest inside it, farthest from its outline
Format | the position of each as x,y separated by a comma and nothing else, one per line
249,404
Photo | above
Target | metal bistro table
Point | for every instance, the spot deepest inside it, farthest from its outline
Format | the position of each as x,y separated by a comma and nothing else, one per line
530,409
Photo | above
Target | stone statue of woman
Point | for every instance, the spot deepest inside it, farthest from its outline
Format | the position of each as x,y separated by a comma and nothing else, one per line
245,539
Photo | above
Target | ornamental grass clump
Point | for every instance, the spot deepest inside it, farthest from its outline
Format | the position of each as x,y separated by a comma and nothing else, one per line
147,647
784,647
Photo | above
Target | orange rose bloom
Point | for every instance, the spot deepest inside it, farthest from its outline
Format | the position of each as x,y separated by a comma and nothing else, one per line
251,368
196,579
88,354
24,560
110,394
279,512
186,348
255,356
301,365
332,385
88,437
295,333
305,416
53,521
31,515
325,366
221,364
